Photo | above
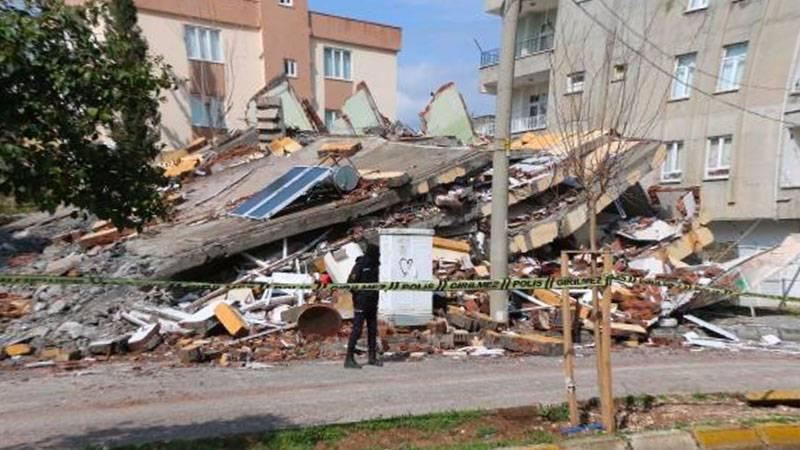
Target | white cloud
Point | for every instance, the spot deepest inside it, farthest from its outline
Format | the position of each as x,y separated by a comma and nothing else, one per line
418,81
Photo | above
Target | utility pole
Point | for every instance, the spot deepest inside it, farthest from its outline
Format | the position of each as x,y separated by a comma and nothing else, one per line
498,300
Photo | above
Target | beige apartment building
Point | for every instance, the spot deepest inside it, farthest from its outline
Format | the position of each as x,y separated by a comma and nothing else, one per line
227,50
718,80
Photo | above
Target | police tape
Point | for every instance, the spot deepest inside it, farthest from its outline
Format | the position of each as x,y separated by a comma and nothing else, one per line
505,284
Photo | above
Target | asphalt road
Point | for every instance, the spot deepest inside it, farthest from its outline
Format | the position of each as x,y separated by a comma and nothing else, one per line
125,403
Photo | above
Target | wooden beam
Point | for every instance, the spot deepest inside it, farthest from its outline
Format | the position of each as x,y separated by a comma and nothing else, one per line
569,348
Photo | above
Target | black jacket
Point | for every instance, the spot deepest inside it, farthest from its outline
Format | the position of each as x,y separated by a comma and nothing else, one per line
364,271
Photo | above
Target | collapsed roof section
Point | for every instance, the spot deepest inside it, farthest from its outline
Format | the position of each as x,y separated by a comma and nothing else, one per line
204,235
447,115
568,215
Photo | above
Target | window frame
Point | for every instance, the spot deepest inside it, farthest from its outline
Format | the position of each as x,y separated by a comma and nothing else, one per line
290,67
572,86
739,66
615,76
688,83
339,64
675,174
704,5
335,116
202,41
718,141
286,3
209,104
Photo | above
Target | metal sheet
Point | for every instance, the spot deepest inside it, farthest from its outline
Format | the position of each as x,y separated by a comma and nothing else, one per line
282,192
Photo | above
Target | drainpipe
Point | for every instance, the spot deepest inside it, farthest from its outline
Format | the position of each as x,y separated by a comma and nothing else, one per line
498,300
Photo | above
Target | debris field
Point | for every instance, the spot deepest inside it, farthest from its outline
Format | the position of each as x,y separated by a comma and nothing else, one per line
289,200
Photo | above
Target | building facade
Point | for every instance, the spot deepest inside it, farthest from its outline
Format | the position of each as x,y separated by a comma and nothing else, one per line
226,50
717,80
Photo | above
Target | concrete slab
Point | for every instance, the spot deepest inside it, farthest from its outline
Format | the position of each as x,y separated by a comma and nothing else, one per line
779,437
663,440
728,439
774,397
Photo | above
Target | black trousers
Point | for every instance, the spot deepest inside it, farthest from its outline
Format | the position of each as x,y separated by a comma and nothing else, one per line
369,313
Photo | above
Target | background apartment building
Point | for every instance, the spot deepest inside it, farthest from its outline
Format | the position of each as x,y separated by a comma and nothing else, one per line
716,79
229,49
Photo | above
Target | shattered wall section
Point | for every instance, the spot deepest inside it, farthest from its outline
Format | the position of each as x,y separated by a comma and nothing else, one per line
361,113
447,115
293,113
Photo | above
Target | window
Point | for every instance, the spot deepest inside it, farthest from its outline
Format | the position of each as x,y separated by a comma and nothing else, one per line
337,64
203,44
694,5
575,82
285,2
732,69
718,157
684,76
330,117
618,74
671,170
290,68
537,105
207,112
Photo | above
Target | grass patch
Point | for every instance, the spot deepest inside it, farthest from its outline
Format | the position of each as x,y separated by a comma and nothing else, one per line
554,413
777,418
428,422
644,402
320,436
485,432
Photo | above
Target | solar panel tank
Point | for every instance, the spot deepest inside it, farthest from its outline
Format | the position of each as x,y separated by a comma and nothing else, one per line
344,178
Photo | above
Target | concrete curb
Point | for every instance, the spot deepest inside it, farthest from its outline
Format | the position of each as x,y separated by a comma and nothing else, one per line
759,437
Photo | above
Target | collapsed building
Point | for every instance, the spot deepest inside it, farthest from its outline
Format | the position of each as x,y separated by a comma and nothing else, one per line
288,199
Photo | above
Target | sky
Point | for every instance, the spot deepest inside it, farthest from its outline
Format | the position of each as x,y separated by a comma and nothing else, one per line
438,46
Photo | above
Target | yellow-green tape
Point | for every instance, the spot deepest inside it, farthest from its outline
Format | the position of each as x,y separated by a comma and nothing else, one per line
431,286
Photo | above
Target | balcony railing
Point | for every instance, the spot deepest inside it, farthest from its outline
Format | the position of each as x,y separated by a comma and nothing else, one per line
523,124
518,125
490,58
527,47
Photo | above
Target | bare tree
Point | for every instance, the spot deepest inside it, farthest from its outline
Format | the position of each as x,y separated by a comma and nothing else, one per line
602,98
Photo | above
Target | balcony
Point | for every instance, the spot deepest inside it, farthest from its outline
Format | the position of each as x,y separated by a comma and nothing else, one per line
496,6
532,123
528,47
532,65
518,125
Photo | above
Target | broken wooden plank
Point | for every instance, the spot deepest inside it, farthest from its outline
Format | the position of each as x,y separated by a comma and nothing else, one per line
393,179
340,149
452,244
18,350
231,319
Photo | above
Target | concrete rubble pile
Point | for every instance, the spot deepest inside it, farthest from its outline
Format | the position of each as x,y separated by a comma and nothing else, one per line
288,200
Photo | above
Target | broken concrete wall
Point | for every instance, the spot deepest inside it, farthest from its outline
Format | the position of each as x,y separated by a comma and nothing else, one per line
447,115
293,113
360,113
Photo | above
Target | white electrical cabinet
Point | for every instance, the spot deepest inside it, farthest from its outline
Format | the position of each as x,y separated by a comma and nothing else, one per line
406,255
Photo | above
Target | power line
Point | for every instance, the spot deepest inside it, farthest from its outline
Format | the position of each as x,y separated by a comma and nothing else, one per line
665,53
669,74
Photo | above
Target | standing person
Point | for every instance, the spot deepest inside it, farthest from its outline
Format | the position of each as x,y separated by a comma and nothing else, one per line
365,305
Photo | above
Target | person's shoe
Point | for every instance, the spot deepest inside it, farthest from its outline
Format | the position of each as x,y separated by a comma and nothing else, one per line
350,362
374,360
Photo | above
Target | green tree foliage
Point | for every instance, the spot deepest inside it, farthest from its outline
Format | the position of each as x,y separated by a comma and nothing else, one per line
79,112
